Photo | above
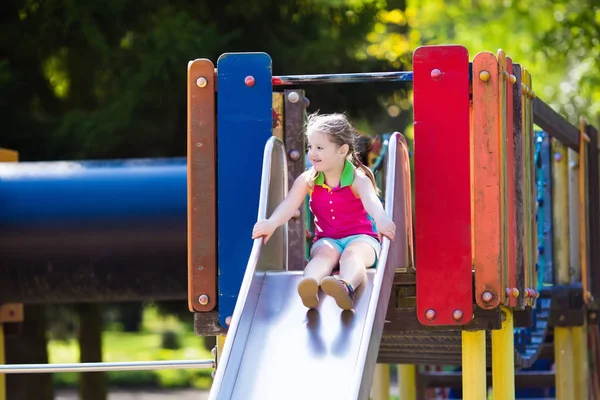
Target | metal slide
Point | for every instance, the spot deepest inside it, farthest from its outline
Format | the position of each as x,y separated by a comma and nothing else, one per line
275,347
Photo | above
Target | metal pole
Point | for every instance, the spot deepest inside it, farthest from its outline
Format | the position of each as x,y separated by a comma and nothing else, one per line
473,365
104,366
407,382
380,389
362,77
503,358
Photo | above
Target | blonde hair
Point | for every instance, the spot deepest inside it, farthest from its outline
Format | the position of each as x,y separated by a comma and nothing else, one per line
341,132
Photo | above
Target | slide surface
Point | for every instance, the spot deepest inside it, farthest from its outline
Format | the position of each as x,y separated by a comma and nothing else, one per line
278,349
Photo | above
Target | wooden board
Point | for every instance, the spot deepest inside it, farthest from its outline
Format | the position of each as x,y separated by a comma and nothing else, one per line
294,145
201,181
244,125
487,175
509,191
442,184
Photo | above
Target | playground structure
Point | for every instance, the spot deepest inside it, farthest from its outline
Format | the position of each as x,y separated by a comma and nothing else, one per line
494,258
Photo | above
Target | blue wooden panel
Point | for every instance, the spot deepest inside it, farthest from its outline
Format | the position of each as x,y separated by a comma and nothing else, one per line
543,162
244,125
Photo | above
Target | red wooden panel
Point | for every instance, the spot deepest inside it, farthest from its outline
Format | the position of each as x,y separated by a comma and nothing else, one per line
510,183
442,185
201,184
487,224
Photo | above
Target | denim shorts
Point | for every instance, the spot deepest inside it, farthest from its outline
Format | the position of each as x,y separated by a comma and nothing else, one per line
341,244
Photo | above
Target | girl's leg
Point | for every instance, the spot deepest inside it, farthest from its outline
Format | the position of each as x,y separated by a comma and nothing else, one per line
356,258
323,259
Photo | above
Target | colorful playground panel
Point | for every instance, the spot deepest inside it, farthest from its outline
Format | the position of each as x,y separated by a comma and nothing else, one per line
201,185
244,124
487,175
442,185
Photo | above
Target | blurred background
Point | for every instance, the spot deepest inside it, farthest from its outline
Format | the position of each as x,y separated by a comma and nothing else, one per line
106,79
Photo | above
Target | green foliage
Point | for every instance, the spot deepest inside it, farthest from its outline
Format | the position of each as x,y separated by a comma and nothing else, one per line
107,79
146,345
556,40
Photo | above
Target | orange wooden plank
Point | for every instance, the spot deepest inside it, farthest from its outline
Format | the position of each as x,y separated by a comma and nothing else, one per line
487,255
201,182
510,181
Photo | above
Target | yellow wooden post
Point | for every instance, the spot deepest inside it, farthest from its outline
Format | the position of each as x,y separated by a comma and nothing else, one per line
473,365
407,382
277,104
503,358
380,389
580,362
563,338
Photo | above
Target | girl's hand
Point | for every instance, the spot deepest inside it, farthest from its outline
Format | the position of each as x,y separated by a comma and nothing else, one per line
263,228
386,228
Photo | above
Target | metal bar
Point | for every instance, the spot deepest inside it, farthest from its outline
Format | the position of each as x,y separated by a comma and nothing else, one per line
503,362
563,353
580,362
473,365
359,77
407,382
380,389
104,366
555,124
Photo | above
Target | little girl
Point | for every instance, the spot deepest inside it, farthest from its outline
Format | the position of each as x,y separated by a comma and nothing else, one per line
343,199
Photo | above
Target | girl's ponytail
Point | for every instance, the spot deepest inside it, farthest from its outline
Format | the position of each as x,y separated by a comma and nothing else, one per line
358,164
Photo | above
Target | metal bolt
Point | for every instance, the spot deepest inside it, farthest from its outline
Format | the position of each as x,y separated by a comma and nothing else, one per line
203,299
436,74
212,374
214,351
558,157
293,97
228,321
512,79
561,318
484,76
457,315
294,155
201,82
296,214
306,102
430,314
249,80
200,267
515,292
487,297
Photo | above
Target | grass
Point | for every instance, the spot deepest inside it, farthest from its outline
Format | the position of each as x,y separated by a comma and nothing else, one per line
141,346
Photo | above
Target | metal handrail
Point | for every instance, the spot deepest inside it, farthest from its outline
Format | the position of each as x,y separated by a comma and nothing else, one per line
104,366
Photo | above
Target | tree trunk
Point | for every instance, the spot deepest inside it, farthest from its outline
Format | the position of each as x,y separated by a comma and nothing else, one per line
28,346
92,385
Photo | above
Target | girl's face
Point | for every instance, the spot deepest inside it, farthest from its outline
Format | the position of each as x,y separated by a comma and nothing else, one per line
323,153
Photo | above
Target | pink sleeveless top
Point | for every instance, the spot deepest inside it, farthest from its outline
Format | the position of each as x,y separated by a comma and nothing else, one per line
338,211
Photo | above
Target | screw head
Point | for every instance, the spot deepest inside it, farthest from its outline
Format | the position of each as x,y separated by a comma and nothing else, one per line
249,81
484,76
203,299
201,82
293,97
436,74
487,297
430,314
294,155
457,315
228,321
